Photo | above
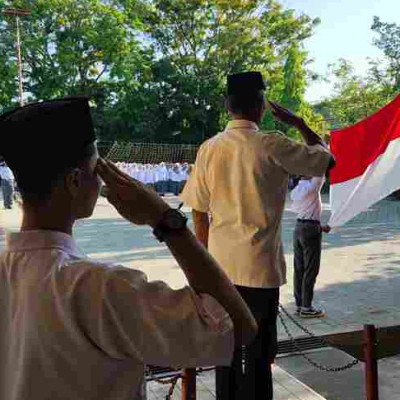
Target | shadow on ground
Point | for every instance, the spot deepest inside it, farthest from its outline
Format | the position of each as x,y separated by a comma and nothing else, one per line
346,385
379,223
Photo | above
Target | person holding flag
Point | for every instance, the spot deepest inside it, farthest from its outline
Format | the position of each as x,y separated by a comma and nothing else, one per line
307,242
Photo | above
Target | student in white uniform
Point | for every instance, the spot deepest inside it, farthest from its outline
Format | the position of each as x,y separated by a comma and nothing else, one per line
184,176
175,178
78,328
163,176
140,173
7,185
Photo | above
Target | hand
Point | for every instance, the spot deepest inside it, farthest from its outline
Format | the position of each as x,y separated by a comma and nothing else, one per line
133,200
325,228
285,115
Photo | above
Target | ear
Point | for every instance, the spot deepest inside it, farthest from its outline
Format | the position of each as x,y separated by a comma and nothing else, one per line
73,182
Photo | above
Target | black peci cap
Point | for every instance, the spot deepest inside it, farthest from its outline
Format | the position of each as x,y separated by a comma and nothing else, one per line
245,82
46,138
52,131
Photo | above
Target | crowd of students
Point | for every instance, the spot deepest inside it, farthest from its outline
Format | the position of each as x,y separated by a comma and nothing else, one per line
164,177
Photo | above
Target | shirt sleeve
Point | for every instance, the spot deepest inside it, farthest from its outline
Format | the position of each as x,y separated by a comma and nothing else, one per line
196,193
299,159
127,316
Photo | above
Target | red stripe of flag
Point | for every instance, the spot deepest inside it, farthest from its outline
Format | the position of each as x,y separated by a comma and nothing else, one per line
358,146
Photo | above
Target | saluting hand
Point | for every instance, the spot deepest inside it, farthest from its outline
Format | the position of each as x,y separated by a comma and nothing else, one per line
133,200
284,115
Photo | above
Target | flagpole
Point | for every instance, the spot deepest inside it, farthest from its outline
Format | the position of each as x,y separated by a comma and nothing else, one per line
11,12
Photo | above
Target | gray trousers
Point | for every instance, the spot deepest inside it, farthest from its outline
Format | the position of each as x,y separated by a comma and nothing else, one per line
8,191
307,258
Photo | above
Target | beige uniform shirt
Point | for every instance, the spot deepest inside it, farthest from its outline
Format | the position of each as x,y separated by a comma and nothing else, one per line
241,178
72,328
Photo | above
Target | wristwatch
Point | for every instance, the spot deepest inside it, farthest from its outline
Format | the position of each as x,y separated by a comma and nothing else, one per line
173,220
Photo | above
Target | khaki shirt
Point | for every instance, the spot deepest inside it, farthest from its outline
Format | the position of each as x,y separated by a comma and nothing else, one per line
73,328
241,178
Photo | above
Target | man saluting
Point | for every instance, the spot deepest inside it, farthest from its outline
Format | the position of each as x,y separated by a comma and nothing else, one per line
240,178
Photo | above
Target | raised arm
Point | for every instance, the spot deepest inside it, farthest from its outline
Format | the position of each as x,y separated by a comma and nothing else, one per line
140,205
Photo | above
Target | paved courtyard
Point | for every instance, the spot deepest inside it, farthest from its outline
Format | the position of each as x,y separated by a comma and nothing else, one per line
359,280
358,283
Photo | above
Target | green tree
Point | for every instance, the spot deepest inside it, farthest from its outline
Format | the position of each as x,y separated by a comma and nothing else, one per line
206,40
356,97
155,69
389,42
72,47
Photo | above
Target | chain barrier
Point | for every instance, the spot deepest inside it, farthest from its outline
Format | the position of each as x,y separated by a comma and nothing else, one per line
170,381
300,352
174,380
166,381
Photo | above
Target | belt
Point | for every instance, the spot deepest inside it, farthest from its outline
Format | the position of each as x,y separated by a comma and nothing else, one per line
309,221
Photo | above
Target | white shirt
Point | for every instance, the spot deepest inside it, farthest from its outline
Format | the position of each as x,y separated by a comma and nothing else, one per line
306,197
183,173
131,170
72,328
146,174
241,178
163,172
6,173
175,174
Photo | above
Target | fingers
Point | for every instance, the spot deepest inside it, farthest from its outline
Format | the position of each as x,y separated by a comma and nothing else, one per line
123,175
109,175
272,104
114,168
275,106
276,110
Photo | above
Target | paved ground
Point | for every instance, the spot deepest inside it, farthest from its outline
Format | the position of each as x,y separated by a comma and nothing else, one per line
358,283
286,387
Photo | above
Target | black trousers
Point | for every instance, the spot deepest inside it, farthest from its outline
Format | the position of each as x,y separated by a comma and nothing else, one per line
307,258
255,380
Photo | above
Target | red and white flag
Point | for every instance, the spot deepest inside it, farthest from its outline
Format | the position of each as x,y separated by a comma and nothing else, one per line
367,163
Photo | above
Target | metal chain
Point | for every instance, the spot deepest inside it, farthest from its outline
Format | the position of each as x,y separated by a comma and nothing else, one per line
162,381
172,388
167,381
321,367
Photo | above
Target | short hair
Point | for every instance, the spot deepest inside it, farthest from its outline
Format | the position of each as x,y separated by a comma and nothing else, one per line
36,185
242,103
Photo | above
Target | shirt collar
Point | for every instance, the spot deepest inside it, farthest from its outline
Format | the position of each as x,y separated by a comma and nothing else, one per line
40,239
242,124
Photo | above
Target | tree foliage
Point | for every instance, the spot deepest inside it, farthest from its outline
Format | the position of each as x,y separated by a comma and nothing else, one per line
355,97
155,69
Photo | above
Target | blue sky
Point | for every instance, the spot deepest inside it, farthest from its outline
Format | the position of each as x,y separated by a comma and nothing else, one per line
344,32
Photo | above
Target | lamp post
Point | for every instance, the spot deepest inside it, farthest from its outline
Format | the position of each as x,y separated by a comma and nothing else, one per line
15,13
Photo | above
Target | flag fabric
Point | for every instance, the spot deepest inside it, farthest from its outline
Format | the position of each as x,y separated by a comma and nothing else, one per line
367,163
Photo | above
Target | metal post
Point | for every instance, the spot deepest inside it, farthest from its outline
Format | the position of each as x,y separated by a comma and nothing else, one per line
19,61
189,384
15,13
371,363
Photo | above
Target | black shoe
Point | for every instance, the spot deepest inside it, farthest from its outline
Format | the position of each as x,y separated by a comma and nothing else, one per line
312,313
